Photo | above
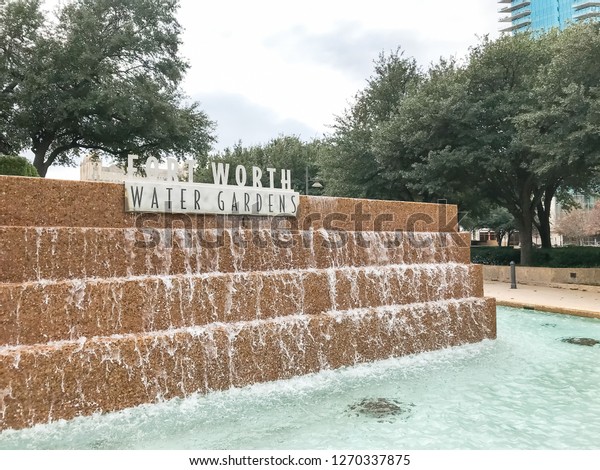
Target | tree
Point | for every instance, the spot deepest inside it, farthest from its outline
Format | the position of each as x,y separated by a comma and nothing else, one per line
564,125
472,128
429,118
20,23
104,76
574,225
350,165
593,227
513,126
459,124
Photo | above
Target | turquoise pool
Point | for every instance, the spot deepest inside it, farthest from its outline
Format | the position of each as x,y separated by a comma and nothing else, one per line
529,389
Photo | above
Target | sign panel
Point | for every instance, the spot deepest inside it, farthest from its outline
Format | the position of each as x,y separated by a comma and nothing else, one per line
196,198
154,194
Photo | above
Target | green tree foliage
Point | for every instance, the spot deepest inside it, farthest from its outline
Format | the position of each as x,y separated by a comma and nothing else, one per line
20,23
503,129
428,119
16,166
104,75
514,125
471,141
283,152
564,125
350,166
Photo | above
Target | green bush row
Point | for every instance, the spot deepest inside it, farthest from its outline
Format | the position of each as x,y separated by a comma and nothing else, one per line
494,255
16,166
564,257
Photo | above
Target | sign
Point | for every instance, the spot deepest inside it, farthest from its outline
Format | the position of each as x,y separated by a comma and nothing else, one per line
155,193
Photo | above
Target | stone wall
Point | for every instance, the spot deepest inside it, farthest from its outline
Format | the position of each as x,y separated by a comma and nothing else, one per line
544,276
102,309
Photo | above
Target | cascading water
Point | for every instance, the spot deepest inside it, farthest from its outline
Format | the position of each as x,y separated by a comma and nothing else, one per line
97,315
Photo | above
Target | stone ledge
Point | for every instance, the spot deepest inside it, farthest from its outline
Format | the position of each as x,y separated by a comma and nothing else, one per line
66,310
43,202
544,276
39,253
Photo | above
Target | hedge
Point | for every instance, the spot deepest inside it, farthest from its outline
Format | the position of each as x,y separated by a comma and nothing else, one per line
16,166
563,257
494,255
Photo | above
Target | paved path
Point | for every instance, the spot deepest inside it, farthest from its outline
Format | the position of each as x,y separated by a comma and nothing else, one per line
572,300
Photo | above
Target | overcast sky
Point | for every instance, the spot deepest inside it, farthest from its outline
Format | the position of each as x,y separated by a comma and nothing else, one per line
261,68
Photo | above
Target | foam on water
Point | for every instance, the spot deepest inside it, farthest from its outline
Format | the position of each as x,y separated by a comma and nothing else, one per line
527,390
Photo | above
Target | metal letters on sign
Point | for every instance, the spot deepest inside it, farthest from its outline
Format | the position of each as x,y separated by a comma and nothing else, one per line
154,194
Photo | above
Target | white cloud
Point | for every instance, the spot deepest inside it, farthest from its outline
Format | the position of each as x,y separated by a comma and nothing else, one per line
239,119
63,172
306,60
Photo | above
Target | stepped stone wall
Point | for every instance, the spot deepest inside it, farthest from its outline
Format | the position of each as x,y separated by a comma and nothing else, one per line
102,309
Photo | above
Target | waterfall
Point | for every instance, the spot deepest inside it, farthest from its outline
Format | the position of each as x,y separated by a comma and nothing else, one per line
100,312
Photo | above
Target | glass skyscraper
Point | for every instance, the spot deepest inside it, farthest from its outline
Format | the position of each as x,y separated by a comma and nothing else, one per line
538,15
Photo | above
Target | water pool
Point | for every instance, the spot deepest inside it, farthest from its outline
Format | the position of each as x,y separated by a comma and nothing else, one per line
527,390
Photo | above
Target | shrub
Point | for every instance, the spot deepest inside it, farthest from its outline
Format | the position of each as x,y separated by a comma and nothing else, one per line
563,257
16,166
499,256
568,257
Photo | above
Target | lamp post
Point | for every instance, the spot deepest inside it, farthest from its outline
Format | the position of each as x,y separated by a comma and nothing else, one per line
316,184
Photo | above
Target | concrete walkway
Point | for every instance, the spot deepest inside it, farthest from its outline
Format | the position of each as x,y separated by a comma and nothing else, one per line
570,299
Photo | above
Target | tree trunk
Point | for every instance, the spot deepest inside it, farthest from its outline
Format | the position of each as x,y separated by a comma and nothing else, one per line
499,237
38,162
40,149
509,235
543,208
543,213
526,235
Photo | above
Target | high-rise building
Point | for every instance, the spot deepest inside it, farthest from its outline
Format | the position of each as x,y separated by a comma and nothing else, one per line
539,15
